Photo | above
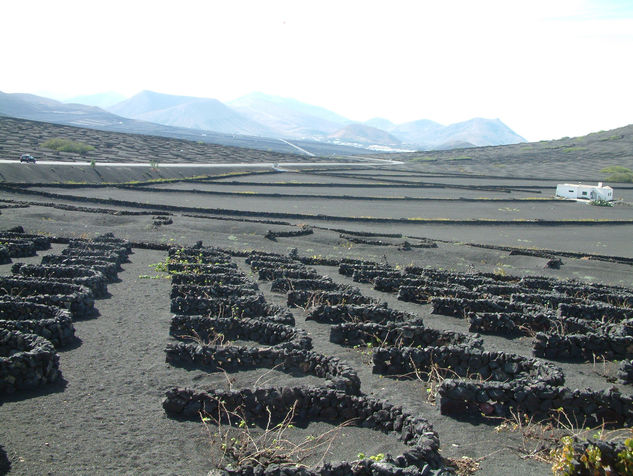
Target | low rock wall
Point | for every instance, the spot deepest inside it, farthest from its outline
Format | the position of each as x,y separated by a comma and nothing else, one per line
588,408
5,464
284,285
273,235
50,322
424,294
201,268
257,330
596,311
496,383
26,361
19,248
625,371
243,307
109,269
73,297
368,276
458,307
5,257
351,313
348,268
89,253
92,246
511,324
399,335
232,291
271,274
543,299
208,279
583,347
217,358
92,279
316,404
267,262
40,242
331,298
468,362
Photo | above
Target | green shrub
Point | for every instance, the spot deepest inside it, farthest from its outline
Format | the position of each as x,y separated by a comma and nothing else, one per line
626,177
614,169
601,203
567,461
66,145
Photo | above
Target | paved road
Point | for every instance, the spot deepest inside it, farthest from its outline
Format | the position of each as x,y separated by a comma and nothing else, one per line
297,147
266,165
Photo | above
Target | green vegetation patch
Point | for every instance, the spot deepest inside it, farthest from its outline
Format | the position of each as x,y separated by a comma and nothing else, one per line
612,137
423,159
618,174
574,148
66,145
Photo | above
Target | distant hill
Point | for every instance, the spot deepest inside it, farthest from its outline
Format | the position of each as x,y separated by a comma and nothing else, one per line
37,108
102,100
476,132
380,123
255,116
363,134
568,159
190,112
288,117
481,132
29,106
421,133
454,145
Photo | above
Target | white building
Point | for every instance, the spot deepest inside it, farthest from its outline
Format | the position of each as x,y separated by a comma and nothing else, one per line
588,192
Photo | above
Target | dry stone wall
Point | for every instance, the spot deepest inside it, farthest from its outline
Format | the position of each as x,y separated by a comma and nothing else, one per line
27,361
205,343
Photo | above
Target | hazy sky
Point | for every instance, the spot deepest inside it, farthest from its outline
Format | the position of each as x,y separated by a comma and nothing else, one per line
547,69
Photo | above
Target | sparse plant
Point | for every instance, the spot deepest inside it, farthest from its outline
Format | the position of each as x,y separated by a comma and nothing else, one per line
244,443
377,457
464,466
366,352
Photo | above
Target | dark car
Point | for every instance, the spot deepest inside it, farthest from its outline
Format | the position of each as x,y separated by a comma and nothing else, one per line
28,158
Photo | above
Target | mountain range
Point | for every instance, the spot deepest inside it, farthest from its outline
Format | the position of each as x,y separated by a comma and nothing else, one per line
273,116
256,115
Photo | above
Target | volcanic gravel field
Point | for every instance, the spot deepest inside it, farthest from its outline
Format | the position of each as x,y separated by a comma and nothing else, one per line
442,313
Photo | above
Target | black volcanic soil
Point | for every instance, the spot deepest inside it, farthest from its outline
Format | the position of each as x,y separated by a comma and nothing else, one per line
106,418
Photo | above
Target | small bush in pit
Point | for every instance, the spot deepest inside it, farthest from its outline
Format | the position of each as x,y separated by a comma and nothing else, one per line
242,443
66,145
